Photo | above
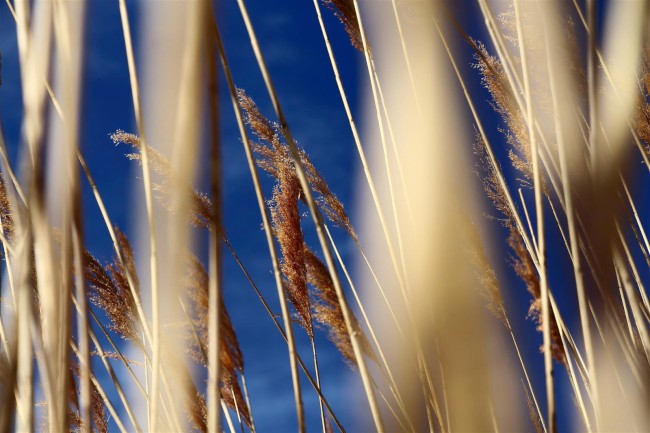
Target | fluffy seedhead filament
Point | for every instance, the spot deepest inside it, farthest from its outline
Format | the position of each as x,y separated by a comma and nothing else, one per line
109,290
494,79
201,206
521,260
327,310
5,210
642,118
97,408
231,357
345,12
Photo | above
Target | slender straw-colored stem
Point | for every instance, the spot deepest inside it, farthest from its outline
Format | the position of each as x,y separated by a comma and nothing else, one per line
636,215
317,373
153,237
216,279
248,402
570,213
70,55
525,370
628,321
318,222
118,250
109,369
592,84
491,156
268,230
637,314
635,272
226,413
102,393
541,237
31,236
528,222
357,139
399,272
407,58
385,365
273,317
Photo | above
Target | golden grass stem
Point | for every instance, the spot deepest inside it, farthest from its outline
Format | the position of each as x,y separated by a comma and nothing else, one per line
226,413
215,268
385,367
102,392
318,222
530,244
541,237
118,249
317,374
268,230
525,370
116,381
284,335
248,402
70,46
153,236
114,378
570,213
399,272
634,304
635,271
592,84
528,222
626,310
407,58
574,382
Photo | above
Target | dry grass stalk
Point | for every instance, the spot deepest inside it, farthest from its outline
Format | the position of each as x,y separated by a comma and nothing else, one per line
521,260
230,355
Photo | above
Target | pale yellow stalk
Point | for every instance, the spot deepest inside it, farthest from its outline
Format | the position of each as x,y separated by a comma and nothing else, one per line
268,230
318,222
541,236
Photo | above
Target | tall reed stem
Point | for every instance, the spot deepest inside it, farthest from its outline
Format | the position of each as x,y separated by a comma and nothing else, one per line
268,231
541,237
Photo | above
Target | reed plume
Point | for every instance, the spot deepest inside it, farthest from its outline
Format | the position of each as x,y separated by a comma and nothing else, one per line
274,157
345,12
327,310
97,409
521,261
5,211
231,357
108,289
272,150
200,203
